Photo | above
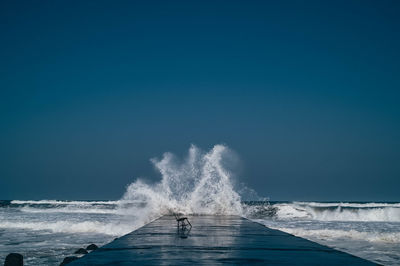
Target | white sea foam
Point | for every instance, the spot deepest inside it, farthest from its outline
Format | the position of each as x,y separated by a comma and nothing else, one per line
289,211
114,229
332,234
71,210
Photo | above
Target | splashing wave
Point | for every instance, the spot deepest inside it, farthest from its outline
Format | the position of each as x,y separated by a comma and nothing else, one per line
201,184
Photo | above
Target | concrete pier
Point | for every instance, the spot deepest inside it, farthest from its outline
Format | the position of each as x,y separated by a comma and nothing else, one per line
214,240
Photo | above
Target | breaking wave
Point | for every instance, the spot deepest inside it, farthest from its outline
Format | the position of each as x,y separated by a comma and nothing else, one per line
357,212
200,184
371,212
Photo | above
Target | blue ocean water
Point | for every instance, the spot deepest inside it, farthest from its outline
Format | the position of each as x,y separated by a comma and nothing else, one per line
46,231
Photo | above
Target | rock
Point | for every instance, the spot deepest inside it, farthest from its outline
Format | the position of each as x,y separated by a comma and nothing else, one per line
68,260
81,251
14,259
92,247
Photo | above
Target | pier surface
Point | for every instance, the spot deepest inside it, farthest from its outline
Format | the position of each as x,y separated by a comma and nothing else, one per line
214,240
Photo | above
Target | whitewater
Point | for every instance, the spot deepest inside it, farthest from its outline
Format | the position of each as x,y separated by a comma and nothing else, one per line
204,182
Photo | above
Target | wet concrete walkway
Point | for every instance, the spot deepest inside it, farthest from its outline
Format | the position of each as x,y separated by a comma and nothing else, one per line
214,240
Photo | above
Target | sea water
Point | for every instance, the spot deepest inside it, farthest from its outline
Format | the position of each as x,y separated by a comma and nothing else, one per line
365,229
46,231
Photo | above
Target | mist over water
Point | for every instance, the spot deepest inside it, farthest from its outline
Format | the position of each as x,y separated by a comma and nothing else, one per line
203,182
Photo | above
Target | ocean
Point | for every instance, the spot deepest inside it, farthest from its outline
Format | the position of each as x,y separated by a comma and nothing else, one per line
46,231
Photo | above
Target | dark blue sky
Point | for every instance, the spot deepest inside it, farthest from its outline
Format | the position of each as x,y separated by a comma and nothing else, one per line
306,92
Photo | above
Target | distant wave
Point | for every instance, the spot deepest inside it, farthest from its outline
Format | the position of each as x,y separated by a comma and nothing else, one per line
347,204
63,202
348,212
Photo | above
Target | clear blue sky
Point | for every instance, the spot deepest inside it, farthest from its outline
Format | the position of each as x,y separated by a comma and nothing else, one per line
306,92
